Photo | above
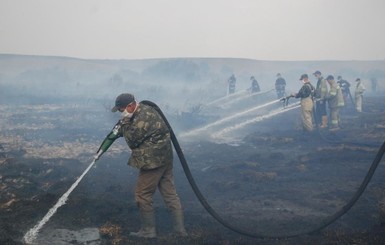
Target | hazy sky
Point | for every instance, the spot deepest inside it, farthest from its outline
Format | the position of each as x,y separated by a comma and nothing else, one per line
256,29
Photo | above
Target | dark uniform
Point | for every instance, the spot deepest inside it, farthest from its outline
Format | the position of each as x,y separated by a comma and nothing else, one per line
232,81
254,85
280,85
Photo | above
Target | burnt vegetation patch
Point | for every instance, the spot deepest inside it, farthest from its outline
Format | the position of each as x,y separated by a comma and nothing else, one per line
270,183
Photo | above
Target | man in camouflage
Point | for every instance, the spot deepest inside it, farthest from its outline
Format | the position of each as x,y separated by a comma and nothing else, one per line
148,137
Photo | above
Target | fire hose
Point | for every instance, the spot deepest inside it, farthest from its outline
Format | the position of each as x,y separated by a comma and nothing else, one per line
30,236
326,222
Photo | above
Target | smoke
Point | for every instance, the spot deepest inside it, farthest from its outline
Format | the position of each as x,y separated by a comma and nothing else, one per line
62,108
174,82
191,92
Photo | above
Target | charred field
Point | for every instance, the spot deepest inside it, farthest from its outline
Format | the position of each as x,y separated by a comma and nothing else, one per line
274,182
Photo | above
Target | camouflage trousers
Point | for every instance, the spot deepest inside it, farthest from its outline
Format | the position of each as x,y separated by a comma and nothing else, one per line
149,180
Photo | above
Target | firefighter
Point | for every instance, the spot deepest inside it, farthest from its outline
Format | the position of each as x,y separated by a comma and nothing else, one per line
306,94
358,94
320,97
335,100
148,137
280,85
254,85
231,83
345,88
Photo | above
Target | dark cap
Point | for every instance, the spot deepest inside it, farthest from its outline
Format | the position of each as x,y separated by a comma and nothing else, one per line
303,76
358,79
122,101
339,77
278,74
330,77
317,72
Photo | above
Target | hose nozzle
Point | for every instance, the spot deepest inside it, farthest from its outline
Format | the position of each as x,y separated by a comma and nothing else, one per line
98,154
107,142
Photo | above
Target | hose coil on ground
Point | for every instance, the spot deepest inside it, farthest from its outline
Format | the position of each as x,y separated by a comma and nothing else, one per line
327,221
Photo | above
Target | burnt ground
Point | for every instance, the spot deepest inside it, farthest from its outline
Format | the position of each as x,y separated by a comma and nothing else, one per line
276,182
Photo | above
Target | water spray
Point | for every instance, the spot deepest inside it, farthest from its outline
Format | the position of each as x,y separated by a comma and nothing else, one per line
31,235
218,122
247,96
239,93
220,134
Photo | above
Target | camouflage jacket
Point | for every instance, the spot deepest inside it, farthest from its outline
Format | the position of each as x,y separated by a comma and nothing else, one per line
148,137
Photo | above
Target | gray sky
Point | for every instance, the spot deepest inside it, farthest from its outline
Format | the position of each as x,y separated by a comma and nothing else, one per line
256,29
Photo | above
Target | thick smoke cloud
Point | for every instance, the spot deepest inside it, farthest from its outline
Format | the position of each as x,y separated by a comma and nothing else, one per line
183,88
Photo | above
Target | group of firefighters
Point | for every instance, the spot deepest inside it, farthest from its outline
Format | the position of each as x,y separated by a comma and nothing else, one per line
149,139
280,85
335,93
327,91
254,88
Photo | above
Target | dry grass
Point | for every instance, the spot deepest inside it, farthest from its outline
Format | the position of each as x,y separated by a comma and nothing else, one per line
112,233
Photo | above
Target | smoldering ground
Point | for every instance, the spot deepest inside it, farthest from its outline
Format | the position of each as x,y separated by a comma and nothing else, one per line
264,176
273,182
